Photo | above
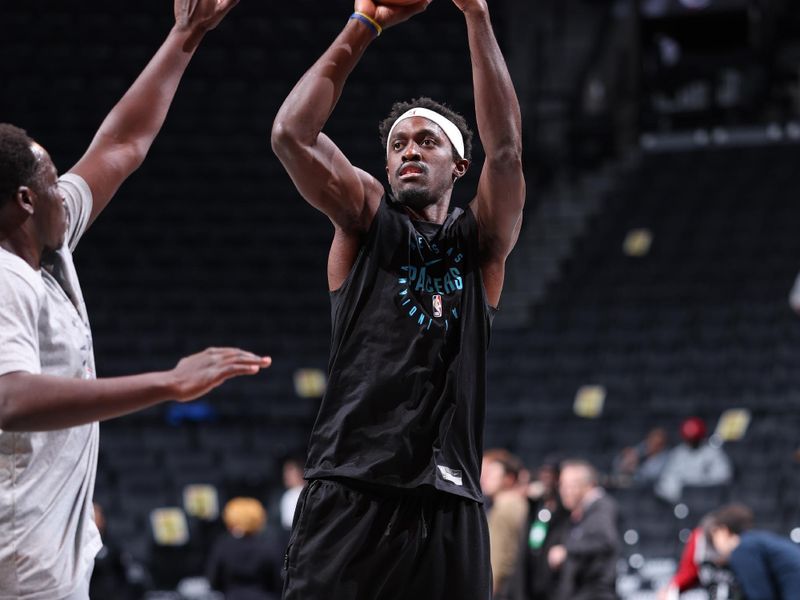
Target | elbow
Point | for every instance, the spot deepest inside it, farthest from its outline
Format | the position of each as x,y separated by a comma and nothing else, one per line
133,153
124,156
136,153
290,137
279,136
283,137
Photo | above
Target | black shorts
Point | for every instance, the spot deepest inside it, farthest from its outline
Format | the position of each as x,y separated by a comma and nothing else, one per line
351,542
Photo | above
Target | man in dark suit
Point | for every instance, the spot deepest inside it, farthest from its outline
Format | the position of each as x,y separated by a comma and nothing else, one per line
586,561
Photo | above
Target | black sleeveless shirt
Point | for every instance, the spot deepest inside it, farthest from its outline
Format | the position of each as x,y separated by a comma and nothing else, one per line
405,402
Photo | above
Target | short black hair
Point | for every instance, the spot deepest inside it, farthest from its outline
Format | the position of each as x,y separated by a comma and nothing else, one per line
424,102
18,164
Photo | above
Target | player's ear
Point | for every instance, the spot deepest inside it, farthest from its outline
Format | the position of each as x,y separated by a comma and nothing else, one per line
460,168
24,199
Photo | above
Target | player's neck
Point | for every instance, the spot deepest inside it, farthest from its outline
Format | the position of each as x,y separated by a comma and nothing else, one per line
20,244
433,213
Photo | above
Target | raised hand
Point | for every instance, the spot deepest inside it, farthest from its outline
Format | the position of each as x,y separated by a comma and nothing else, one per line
387,15
198,374
203,15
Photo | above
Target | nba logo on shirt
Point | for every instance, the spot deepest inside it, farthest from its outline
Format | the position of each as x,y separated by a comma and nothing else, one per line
437,305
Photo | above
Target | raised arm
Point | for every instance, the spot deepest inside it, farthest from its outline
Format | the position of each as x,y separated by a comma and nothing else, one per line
501,189
322,173
123,140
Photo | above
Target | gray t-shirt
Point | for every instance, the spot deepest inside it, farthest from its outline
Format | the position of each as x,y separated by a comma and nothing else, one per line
48,538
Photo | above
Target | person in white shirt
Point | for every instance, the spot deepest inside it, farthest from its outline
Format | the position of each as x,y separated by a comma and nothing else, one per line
694,462
50,401
294,483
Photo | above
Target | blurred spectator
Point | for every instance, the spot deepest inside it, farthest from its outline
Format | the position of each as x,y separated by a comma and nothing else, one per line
694,462
294,482
766,565
700,567
506,514
643,464
587,561
545,527
110,577
794,295
245,564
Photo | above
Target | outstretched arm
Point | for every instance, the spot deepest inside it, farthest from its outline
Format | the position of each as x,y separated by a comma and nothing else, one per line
125,137
32,402
501,189
322,173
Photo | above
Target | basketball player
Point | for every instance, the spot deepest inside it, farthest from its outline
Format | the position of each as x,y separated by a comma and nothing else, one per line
50,401
393,507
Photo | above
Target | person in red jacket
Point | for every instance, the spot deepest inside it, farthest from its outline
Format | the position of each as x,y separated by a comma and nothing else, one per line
699,566
688,575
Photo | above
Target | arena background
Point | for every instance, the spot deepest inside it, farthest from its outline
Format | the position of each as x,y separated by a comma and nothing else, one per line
650,282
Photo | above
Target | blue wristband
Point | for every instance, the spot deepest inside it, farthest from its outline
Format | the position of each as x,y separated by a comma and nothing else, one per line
371,23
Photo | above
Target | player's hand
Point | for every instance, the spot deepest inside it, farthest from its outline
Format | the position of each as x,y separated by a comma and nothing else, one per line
201,15
387,16
198,374
468,5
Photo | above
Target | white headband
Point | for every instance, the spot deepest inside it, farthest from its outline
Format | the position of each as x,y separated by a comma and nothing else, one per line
452,132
